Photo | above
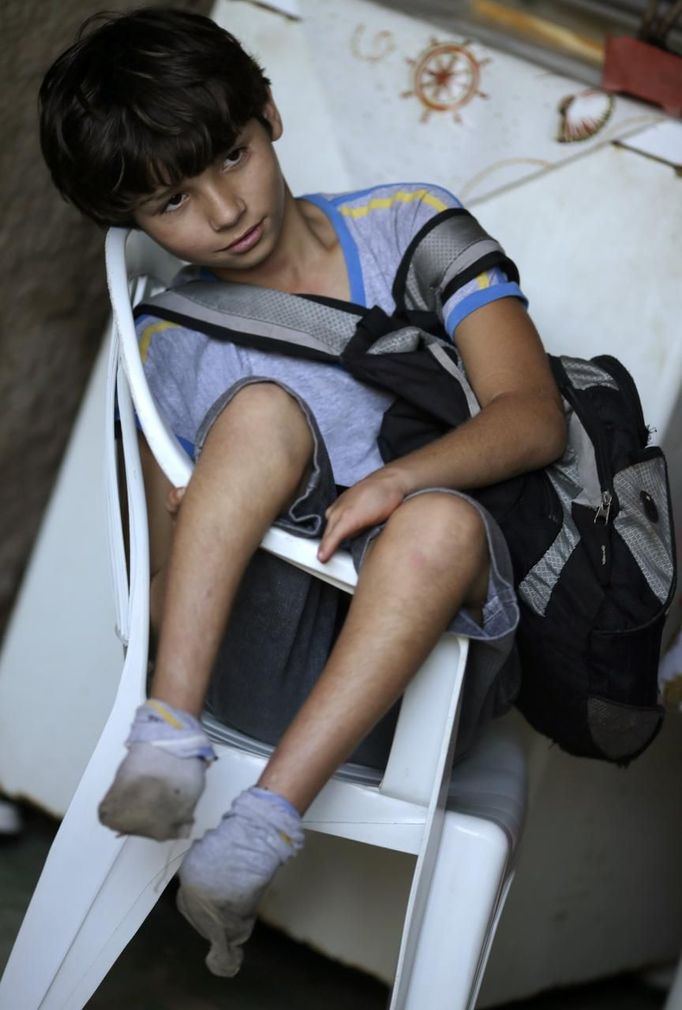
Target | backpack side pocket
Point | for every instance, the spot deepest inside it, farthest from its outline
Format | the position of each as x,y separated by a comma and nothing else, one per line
625,721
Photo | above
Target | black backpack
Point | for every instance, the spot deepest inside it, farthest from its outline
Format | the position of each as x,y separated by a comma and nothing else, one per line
591,536
592,544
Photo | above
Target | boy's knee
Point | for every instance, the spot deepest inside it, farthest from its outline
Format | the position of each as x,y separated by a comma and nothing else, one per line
445,525
265,413
264,400
452,538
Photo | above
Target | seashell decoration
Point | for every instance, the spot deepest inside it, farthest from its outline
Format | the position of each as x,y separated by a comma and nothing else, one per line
583,115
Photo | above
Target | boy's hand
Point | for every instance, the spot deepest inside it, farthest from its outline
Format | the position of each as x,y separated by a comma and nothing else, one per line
367,503
174,500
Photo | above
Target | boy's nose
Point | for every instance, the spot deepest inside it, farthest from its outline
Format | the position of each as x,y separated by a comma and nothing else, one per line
224,209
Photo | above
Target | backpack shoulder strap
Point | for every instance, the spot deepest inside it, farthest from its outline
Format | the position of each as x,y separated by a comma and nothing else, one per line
382,350
448,251
301,326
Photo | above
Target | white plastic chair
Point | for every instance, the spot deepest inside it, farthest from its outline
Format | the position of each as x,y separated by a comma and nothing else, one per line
96,889
674,998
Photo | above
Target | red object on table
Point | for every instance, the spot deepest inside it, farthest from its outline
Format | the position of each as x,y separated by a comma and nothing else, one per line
645,71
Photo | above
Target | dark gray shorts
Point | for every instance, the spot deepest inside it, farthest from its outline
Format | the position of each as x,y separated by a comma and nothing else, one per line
284,623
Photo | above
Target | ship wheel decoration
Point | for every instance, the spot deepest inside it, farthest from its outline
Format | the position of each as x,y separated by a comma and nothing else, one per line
445,77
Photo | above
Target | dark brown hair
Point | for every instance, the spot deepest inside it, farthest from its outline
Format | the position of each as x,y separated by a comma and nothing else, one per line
143,100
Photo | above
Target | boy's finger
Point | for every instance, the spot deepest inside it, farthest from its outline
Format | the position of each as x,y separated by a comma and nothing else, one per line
337,530
331,539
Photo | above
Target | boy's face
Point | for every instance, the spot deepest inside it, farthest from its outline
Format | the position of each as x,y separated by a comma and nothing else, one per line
230,216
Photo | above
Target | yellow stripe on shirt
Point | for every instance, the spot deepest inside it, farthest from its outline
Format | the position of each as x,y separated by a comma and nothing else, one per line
401,196
149,331
483,280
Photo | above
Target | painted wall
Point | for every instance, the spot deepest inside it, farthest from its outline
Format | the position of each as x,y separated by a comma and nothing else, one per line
52,288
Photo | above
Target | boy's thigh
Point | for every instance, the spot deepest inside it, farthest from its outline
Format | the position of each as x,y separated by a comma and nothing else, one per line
305,515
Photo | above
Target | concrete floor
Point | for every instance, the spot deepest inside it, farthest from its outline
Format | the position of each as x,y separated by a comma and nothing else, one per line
162,969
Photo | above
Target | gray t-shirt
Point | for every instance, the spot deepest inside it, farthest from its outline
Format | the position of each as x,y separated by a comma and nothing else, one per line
188,371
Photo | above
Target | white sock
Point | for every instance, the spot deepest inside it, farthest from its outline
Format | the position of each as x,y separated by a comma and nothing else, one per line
225,873
159,782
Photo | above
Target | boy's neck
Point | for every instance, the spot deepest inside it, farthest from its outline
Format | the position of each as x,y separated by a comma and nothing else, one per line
308,258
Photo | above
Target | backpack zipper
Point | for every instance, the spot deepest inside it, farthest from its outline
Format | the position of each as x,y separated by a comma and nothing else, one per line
626,384
602,513
603,510
604,471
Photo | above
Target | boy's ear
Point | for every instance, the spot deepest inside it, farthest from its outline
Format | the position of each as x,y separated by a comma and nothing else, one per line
271,113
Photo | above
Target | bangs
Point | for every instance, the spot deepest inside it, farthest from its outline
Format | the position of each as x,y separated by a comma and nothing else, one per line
155,161
148,151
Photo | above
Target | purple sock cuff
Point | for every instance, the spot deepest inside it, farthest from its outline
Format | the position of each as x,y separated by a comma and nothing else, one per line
170,729
154,710
276,799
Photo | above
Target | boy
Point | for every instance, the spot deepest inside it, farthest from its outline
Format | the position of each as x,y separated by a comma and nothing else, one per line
159,120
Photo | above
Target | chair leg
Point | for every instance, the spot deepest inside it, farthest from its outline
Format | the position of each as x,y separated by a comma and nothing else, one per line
674,1000
76,913
96,889
466,895
131,889
132,883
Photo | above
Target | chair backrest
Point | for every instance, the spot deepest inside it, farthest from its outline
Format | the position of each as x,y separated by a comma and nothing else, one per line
131,256
136,268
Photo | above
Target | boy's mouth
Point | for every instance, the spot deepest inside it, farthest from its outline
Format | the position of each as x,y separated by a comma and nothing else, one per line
246,241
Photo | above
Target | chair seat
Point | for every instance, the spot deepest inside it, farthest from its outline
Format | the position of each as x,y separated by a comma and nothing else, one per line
489,781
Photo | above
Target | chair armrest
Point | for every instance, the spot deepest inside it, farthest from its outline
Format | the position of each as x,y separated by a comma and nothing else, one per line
338,571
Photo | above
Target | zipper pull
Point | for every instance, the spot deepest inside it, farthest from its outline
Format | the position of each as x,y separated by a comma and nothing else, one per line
604,510
602,535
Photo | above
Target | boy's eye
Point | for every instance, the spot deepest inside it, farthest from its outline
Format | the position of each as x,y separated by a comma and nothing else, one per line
234,157
173,202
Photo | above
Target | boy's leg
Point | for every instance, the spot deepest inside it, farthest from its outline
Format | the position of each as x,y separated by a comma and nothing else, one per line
429,561
255,457
253,462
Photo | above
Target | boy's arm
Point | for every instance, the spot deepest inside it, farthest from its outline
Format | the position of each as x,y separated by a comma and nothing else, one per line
520,427
162,502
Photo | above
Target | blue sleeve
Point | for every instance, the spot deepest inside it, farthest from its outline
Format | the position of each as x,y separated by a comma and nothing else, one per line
489,286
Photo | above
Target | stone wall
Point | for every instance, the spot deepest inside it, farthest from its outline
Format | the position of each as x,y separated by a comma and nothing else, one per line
52,287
